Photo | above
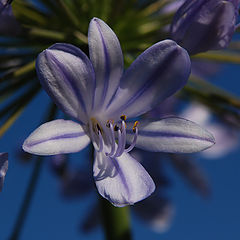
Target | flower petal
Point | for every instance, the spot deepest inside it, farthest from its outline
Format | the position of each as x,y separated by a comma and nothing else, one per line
56,137
107,59
3,168
174,135
68,77
155,75
123,180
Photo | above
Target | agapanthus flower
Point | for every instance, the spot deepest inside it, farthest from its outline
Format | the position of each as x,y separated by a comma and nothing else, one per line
202,25
100,96
3,168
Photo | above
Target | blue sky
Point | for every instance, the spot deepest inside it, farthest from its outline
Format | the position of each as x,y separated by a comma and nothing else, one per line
52,217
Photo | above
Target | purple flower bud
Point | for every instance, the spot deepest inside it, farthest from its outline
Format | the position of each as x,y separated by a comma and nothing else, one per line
9,25
202,25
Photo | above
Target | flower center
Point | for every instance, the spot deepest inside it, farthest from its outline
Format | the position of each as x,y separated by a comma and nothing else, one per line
111,139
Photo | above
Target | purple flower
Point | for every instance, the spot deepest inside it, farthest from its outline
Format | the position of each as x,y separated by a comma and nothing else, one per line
3,168
99,96
202,25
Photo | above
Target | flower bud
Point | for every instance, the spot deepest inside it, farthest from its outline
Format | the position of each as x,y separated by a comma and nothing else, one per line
202,25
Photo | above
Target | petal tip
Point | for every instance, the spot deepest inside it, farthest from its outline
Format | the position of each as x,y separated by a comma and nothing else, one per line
95,20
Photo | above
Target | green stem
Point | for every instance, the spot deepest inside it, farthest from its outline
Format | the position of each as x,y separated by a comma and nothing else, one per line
116,221
27,200
46,33
220,56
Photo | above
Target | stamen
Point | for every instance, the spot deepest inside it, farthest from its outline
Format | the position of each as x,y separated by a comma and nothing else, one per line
108,123
112,139
100,142
116,128
135,130
124,118
122,143
98,128
135,126
95,129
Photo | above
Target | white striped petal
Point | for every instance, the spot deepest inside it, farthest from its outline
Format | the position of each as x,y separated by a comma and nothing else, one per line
67,75
156,74
123,180
56,137
174,135
107,59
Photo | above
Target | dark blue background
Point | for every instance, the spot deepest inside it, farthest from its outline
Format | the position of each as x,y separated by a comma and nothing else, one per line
52,217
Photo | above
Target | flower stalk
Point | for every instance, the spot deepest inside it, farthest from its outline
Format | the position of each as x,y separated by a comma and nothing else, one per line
27,199
115,221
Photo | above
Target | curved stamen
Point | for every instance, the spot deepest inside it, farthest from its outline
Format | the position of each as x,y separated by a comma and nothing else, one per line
100,142
112,140
135,130
121,145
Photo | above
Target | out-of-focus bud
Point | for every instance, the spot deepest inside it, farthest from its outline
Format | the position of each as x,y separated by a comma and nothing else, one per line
8,23
76,183
156,211
58,164
3,168
202,25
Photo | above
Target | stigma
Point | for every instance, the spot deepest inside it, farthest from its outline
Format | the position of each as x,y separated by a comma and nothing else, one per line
111,138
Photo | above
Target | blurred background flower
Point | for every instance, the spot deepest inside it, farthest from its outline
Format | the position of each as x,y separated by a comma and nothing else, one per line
3,168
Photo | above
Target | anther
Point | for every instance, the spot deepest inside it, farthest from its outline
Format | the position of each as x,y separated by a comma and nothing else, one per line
135,126
116,128
108,123
98,128
123,117
135,130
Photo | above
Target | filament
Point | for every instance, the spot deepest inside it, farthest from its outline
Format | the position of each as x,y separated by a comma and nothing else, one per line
112,140
130,148
122,143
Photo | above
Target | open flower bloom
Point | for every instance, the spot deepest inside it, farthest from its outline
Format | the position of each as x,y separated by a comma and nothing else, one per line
3,168
202,25
99,96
